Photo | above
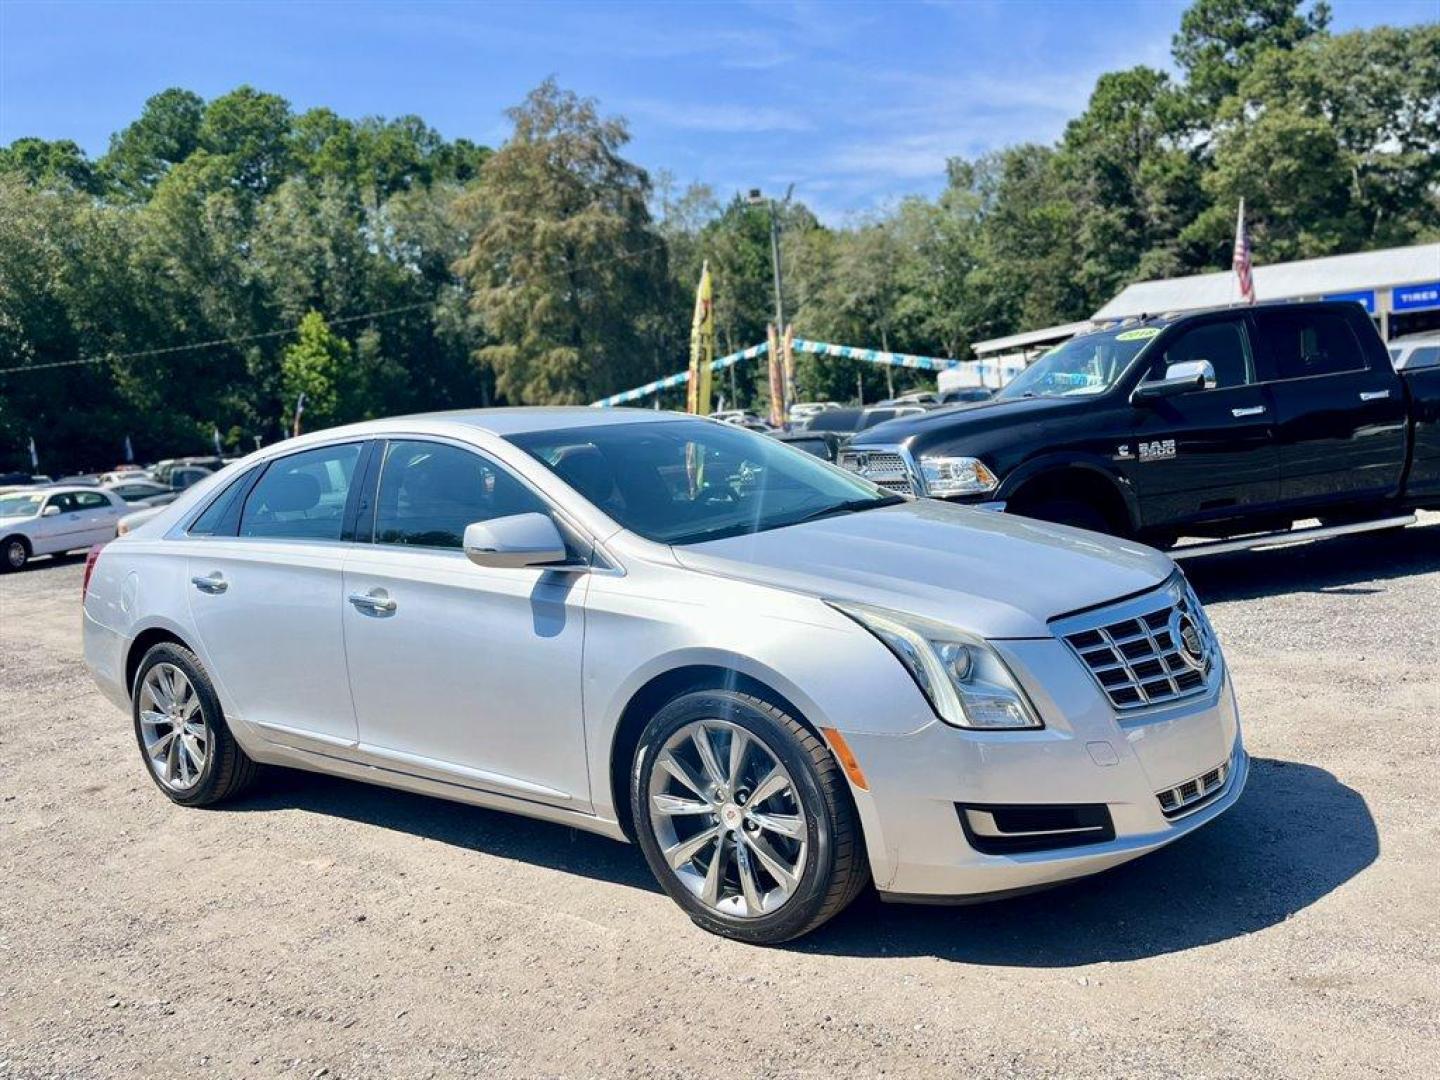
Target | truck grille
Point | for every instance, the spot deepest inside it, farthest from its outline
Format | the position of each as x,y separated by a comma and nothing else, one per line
890,469
1188,796
1162,650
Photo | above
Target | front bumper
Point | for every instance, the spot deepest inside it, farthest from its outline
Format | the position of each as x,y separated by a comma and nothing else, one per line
920,783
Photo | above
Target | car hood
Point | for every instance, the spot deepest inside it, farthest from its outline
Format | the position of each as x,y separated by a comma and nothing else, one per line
996,575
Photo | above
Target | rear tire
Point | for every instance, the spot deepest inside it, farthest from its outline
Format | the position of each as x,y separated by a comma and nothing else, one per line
184,741
790,851
1072,512
14,554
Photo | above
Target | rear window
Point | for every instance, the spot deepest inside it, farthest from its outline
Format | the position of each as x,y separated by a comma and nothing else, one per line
1423,356
1301,344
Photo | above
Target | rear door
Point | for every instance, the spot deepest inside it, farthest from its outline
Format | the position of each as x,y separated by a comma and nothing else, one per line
1210,453
265,594
98,516
1340,415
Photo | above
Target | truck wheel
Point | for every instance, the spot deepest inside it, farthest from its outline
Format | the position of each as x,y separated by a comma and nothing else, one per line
1073,512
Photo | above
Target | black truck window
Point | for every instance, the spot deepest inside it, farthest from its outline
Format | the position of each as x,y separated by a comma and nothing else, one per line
1308,342
1221,343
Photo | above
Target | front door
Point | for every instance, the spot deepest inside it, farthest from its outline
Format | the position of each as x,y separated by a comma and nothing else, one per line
466,673
267,600
61,525
1340,414
1209,453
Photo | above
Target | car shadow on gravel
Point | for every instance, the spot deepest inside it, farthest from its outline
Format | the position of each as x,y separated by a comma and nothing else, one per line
1332,566
1295,835
488,832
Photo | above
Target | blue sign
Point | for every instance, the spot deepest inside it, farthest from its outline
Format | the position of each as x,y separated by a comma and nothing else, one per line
1366,298
1415,297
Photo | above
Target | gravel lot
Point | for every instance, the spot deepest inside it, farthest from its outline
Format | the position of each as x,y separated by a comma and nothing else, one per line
323,927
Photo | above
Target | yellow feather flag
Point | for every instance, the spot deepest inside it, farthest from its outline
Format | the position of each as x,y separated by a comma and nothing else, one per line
702,346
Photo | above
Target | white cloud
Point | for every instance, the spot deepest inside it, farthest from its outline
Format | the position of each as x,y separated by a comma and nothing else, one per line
729,118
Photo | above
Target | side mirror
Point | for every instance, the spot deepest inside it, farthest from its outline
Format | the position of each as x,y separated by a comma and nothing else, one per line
50,511
1181,378
515,541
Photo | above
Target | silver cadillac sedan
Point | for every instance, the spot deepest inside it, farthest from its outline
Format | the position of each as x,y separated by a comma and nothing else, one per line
780,680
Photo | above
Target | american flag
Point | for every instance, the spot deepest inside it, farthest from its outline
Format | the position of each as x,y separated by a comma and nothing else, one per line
1241,260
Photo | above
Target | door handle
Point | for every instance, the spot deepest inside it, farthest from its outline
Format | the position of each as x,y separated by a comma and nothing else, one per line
1254,410
374,601
1374,395
213,584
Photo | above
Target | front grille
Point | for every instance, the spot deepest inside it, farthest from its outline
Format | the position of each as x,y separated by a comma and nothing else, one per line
1161,649
887,468
1183,798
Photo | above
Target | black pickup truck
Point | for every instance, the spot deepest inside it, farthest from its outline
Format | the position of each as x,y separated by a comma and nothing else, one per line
1210,424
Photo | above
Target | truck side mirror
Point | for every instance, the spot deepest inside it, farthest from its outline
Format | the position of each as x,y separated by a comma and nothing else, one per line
1181,378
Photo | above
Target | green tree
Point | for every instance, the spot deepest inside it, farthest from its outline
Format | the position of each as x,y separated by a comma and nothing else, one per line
1219,40
316,366
56,166
564,257
166,133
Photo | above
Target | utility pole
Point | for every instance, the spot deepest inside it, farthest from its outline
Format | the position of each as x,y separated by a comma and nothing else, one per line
757,199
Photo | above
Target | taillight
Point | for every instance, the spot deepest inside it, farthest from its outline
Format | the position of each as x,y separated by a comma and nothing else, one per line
91,558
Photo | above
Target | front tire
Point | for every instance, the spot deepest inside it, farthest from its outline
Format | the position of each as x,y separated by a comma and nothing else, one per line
187,747
745,818
15,555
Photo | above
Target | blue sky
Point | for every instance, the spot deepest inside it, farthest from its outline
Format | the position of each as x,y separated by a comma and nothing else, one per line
856,103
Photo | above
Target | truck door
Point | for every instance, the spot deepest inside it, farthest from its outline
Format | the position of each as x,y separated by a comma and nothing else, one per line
1210,453
1339,410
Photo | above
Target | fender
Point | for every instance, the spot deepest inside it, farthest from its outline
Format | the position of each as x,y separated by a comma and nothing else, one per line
1072,460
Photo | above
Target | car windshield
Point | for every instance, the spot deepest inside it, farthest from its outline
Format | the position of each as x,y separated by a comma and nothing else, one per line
20,505
687,481
1089,364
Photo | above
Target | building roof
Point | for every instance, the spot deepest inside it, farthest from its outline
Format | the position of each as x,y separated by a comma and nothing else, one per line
1030,337
1280,281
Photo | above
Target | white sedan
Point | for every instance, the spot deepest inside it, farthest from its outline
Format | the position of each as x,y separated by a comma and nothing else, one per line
50,521
780,680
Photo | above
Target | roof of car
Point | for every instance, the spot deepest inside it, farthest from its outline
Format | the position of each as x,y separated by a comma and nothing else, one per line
524,419
59,489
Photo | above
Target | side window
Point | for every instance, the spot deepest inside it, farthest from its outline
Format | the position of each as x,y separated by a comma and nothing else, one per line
1220,343
91,500
302,497
221,517
1303,343
430,491
65,502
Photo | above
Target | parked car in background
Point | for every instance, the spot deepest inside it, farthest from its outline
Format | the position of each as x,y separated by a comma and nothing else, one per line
966,395
122,472
1415,351
1210,424
928,398
142,492
780,680
183,477
163,469
823,444
849,420
131,521
51,521
801,410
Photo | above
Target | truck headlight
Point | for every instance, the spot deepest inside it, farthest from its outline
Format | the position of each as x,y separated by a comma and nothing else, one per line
962,676
956,476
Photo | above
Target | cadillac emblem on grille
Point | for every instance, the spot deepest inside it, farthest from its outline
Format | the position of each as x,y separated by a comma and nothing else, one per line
1186,634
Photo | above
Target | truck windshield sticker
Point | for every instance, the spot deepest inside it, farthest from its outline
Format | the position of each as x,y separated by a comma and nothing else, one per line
1140,333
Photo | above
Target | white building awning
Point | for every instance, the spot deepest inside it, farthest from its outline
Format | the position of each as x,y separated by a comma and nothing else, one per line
1030,338
1337,276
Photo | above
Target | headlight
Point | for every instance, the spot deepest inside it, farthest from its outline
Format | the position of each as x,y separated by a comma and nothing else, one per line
966,682
956,476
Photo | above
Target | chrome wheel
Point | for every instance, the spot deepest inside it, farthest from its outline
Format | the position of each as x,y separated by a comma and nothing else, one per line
728,819
172,727
15,554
